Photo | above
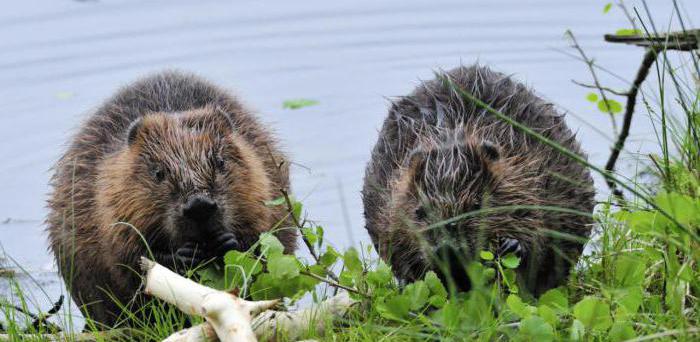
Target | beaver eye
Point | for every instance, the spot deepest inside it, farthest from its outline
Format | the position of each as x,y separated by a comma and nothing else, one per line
157,173
421,214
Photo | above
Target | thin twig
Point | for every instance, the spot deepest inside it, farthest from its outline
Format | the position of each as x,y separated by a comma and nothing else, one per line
589,62
334,283
642,72
609,90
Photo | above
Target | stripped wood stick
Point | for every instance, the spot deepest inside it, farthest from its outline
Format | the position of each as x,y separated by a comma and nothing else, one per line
229,315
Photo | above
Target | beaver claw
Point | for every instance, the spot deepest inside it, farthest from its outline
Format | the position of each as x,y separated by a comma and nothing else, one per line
190,255
224,243
509,245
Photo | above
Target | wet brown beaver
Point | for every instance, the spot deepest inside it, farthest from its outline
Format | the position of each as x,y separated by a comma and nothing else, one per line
441,157
174,159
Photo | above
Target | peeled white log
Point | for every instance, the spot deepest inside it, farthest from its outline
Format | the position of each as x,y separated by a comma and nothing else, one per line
229,315
293,324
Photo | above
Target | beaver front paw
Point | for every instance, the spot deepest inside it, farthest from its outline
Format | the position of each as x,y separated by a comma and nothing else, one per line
225,242
509,245
190,255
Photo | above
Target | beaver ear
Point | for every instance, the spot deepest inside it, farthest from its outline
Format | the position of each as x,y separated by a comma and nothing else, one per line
133,131
490,151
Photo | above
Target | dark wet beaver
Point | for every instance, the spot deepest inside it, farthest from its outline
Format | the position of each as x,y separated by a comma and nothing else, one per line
179,161
440,156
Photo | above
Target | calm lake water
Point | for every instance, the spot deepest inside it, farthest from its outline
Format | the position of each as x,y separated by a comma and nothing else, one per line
59,59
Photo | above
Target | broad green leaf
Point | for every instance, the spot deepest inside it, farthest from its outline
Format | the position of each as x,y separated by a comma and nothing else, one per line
510,261
486,255
592,97
630,299
352,261
448,316
610,105
328,258
283,266
536,329
417,293
621,331
593,313
394,307
629,270
381,276
555,299
298,103
270,245
517,306
683,208
548,315
577,331
435,285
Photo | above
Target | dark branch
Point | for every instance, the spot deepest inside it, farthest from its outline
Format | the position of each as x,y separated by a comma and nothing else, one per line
642,72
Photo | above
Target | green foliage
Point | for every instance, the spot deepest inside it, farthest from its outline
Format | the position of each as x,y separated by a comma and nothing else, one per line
607,7
298,103
628,32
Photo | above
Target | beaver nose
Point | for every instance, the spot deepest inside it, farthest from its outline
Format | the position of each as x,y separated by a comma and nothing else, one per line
199,208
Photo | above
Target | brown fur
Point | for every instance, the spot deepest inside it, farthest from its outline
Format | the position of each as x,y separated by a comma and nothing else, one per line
440,156
133,165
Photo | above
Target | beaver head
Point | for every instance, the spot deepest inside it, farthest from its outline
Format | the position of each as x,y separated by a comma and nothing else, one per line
182,178
446,201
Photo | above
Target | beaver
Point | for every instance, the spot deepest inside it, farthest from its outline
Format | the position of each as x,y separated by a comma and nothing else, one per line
442,161
171,167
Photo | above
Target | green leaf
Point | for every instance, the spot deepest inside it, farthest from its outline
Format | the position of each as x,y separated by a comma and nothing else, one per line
381,276
592,97
577,331
628,32
607,7
510,261
630,299
352,261
270,245
548,315
298,103
296,209
275,202
536,329
609,106
448,315
435,285
593,313
328,258
555,299
682,207
310,235
621,331
394,307
239,268
417,293
283,266
486,255
518,307
629,270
